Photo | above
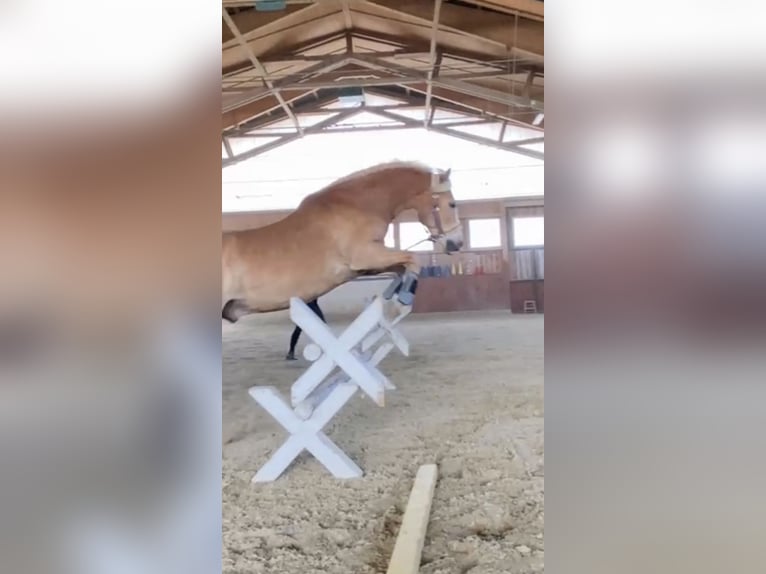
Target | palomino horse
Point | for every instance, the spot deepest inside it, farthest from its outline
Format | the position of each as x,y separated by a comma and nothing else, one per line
335,235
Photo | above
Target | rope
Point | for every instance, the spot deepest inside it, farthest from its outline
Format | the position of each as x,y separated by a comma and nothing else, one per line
418,243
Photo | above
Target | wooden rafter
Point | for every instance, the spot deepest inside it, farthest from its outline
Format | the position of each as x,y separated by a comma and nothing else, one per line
484,62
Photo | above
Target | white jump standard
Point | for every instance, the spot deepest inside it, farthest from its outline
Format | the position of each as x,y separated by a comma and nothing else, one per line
316,398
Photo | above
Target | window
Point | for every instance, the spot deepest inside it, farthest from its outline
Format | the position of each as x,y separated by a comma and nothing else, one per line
412,232
528,231
388,240
484,233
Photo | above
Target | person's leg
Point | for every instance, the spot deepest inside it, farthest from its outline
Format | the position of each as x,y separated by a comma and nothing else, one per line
314,306
293,341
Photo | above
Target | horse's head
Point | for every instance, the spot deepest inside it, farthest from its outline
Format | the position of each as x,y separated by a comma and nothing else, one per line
437,211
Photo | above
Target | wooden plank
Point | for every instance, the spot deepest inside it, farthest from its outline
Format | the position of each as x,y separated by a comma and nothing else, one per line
405,558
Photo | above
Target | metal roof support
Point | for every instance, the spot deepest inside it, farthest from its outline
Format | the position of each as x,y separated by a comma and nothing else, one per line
489,142
512,147
449,105
451,52
227,147
402,122
454,85
529,141
293,81
528,83
432,58
259,67
317,128
387,80
260,128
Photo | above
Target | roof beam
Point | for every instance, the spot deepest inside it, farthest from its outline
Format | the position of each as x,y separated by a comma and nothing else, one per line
250,20
454,85
432,58
411,124
487,93
295,58
486,141
260,129
305,103
480,105
533,9
281,54
227,147
347,22
528,141
528,83
465,105
283,140
446,51
446,130
385,112
259,67
293,81
299,80
327,83
308,44
401,122
484,24
256,108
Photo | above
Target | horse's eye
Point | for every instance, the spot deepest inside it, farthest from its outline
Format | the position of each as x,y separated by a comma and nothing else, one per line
452,204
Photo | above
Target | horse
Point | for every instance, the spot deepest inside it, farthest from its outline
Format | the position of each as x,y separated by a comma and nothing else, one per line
335,235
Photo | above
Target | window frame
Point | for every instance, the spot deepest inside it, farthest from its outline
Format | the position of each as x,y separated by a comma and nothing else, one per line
512,233
467,227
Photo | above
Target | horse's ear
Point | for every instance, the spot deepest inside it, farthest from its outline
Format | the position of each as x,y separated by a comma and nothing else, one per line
445,175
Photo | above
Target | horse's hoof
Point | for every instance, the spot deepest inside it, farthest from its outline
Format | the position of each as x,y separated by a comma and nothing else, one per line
406,298
290,357
393,287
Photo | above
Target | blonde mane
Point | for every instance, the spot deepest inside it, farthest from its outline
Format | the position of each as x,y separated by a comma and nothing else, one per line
336,185
382,167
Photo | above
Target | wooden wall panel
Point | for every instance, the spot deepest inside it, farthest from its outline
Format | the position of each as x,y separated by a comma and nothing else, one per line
526,265
462,293
521,291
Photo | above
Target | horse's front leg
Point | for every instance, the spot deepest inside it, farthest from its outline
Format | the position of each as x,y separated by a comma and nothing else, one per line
377,258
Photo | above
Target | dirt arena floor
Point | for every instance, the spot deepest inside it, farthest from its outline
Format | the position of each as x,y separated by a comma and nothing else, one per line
469,397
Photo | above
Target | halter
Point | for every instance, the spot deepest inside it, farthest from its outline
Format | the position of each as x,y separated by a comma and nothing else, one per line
438,187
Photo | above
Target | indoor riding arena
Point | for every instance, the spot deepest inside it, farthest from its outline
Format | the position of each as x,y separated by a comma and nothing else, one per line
451,454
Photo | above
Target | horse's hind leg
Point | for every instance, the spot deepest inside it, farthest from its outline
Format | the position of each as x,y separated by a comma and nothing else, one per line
233,310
